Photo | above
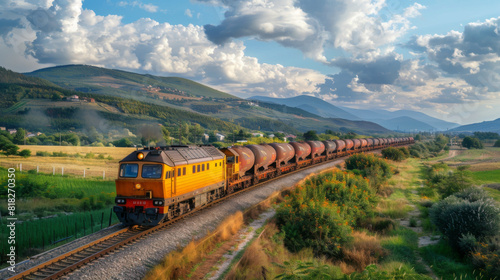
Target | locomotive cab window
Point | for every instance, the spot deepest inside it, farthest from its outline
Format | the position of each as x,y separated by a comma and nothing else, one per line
151,171
129,170
179,172
167,175
230,159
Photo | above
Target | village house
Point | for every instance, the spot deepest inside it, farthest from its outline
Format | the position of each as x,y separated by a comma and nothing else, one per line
220,137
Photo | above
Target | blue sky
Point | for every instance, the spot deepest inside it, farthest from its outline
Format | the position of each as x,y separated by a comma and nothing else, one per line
438,57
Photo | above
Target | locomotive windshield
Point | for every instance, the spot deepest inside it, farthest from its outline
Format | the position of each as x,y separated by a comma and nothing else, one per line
129,170
151,171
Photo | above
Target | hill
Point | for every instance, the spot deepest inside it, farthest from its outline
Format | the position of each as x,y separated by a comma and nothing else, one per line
41,105
381,116
402,120
310,104
91,79
405,123
486,126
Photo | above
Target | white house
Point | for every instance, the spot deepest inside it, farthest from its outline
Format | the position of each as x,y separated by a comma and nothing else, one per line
219,137
257,134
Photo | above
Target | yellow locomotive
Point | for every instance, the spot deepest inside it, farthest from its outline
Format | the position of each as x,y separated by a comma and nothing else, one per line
158,183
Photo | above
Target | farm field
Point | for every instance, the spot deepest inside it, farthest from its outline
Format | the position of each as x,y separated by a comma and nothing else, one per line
55,209
103,159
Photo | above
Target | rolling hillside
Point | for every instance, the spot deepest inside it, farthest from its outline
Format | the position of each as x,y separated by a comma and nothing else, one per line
310,104
129,100
486,126
98,80
401,120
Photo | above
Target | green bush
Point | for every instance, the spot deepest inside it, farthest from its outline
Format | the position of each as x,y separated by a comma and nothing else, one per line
447,181
467,243
486,257
497,143
376,169
393,154
456,216
320,213
42,154
25,153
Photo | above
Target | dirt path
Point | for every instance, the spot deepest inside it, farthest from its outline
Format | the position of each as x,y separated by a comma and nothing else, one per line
423,241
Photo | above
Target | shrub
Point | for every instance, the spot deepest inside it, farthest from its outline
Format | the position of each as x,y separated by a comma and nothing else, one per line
413,222
446,181
25,153
320,213
374,168
486,257
467,243
42,154
497,143
456,216
393,154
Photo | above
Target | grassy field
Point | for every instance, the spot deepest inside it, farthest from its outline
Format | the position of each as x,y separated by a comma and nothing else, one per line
94,167
487,176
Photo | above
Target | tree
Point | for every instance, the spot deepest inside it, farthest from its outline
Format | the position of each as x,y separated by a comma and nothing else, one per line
472,143
7,147
196,133
166,135
497,143
19,136
124,142
311,135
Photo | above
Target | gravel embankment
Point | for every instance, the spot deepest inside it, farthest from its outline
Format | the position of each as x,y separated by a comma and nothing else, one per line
134,261
45,256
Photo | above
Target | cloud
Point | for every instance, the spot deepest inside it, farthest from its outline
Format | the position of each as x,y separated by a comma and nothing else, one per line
473,55
146,7
383,70
310,26
188,13
65,33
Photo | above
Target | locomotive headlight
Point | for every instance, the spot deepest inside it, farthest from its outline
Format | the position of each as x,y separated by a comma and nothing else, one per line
140,156
137,186
120,201
158,202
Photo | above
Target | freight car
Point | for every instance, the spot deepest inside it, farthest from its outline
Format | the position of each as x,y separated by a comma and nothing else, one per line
161,183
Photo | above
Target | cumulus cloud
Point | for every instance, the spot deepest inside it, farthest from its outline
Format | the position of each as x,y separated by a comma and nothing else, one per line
310,26
188,13
473,54
65,33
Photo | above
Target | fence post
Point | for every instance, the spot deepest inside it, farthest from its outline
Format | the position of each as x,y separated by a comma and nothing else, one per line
20,167
62,171
53,170
103,174
37,169
83,173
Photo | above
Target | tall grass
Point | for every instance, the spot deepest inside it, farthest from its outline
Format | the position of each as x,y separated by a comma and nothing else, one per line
447,264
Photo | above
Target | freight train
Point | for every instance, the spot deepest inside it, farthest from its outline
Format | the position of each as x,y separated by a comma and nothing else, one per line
161,183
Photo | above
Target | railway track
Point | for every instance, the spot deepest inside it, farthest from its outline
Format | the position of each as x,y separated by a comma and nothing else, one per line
68,262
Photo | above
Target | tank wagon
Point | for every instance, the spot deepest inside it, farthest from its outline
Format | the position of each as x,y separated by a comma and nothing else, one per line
161,183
